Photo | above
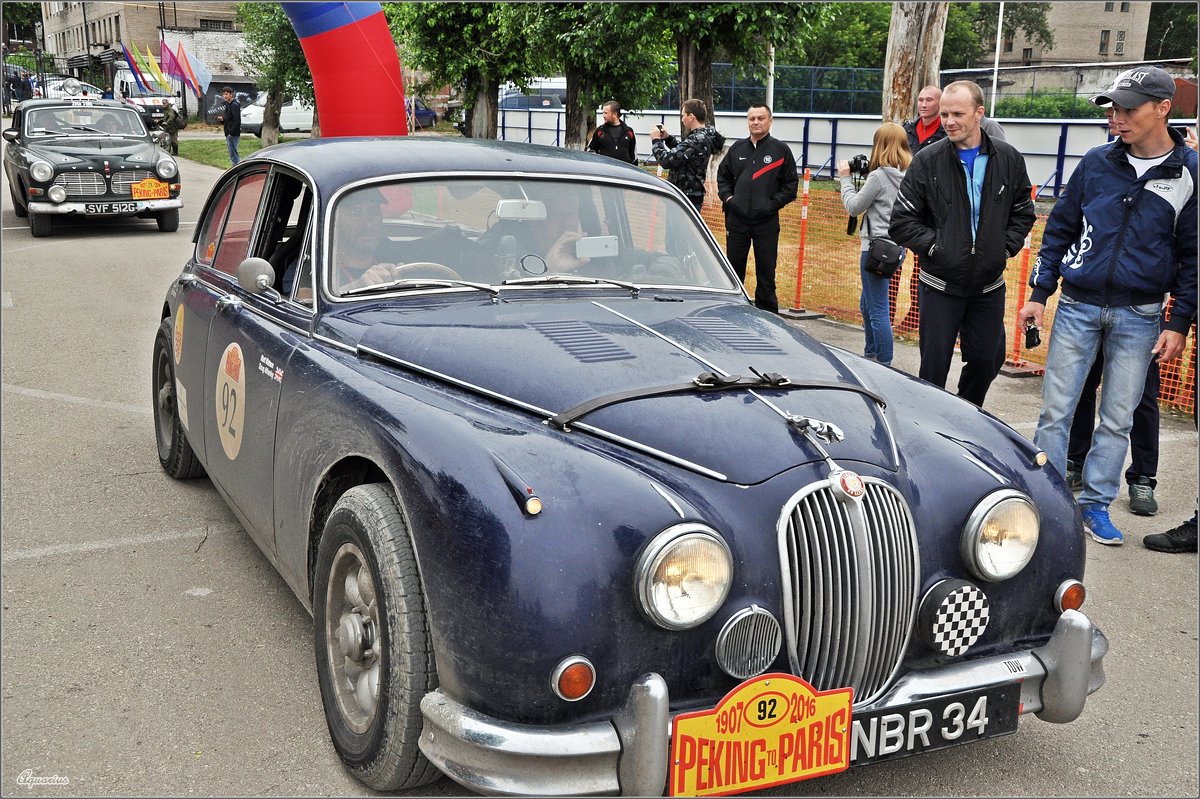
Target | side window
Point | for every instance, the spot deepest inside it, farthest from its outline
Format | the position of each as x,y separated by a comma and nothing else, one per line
234,245
210,231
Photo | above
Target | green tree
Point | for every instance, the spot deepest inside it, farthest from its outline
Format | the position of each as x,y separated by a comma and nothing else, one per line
741,32
606,50
475,46
1172,31
20,19
274,56
839,35
974,30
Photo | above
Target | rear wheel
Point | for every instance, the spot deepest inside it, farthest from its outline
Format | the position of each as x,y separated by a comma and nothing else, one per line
175,454
39,225
373,649
168,221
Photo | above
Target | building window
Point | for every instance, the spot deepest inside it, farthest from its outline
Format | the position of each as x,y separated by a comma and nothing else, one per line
1120,48
1027,56
1008,44
1124,8
216,24
1104,42
1109,6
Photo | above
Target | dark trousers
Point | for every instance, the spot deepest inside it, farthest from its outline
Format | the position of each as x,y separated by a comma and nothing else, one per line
1143,438
979,322
764,235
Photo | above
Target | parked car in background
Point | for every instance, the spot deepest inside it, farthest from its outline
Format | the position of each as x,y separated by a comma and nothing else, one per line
570,513
70,87
87,158
297,115
517,100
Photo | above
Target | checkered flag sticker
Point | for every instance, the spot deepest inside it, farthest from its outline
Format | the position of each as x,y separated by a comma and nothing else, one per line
959,620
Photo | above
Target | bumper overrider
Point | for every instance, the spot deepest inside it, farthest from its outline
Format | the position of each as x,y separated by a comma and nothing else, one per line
628,755
142,206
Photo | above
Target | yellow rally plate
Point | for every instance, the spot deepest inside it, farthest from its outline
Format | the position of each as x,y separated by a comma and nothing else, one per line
150,189
770,730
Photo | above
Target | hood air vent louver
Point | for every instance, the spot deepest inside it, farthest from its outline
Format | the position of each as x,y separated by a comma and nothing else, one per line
734,337
582,342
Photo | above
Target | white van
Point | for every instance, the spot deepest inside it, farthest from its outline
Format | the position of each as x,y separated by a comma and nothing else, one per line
294,115
149,103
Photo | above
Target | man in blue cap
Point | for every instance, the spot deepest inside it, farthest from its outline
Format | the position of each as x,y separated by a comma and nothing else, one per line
1121,237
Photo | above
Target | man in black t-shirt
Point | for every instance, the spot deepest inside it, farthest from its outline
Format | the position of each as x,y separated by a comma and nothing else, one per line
614,138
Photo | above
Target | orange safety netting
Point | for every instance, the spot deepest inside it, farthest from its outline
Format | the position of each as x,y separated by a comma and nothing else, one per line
830,283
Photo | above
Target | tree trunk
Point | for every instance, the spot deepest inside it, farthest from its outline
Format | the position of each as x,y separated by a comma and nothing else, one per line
481,118
270,122
695,73
914,56
579,118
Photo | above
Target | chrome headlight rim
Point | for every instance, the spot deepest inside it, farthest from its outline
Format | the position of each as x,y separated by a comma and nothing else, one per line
654,553
41,171
971,543
166,168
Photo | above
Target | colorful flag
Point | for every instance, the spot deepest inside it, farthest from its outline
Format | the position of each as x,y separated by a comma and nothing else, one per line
200,73
133,68
171,66
143,68
185,71
157,73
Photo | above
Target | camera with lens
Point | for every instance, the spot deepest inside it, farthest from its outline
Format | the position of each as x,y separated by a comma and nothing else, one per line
858,166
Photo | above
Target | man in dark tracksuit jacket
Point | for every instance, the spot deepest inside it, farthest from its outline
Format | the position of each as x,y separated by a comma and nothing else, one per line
614,138
963,222
756,178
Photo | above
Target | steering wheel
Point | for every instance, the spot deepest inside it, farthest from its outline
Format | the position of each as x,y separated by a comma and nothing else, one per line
440,270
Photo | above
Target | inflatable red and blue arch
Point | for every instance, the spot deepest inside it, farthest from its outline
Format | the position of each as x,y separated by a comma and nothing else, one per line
355,68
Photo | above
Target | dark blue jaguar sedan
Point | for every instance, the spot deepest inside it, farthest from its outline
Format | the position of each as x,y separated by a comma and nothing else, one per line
570,514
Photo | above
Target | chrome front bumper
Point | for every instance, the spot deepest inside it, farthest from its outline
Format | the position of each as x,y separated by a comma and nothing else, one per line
81,208
628,754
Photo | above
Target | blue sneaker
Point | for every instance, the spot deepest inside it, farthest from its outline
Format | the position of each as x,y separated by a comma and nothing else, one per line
1100,527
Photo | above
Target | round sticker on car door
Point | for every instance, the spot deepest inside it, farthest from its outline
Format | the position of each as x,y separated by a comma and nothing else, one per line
231,399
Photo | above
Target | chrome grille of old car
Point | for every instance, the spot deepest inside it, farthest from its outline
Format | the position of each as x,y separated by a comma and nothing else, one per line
850,578
82,183
121,181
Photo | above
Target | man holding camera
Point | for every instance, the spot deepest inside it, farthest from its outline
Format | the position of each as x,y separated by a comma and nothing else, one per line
688,159
964,208
756,178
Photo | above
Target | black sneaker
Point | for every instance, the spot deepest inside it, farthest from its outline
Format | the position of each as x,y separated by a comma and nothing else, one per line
1177,539
1141,498
1074,477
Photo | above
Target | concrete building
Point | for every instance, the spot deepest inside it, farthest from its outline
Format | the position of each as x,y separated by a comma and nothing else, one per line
1084,33
88,35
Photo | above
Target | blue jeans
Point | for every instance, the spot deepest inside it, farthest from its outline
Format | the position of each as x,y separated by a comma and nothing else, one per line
873,305
232,143
1127,335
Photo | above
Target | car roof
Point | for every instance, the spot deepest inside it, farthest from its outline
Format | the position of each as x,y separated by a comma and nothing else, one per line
338,161
68,102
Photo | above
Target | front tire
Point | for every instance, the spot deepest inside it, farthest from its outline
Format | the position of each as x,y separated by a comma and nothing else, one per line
39,225
175,454
18,203
373,649
168,221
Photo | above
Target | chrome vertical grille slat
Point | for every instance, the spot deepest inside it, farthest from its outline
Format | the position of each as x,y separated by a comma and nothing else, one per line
851,574
87,184
121,181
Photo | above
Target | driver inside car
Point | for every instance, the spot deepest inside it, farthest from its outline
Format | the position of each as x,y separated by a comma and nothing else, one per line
358,242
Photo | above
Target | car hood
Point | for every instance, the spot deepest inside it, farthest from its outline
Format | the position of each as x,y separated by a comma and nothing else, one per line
550,357
96,150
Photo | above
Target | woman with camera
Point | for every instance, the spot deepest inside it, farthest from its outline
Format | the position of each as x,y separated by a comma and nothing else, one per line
890,157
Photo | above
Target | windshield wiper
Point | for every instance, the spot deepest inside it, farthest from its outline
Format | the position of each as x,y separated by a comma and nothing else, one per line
576,280
91,130
409,282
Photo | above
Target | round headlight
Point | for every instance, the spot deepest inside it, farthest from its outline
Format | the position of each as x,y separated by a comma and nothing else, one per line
41,171
683,576
166,169
57,193
1000,535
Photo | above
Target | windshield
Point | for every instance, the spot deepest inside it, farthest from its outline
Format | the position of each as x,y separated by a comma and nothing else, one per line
508,232
83,121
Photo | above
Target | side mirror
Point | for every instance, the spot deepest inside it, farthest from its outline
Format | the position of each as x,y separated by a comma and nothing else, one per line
11,134
257,276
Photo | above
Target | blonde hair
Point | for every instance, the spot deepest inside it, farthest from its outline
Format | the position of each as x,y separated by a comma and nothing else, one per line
890,148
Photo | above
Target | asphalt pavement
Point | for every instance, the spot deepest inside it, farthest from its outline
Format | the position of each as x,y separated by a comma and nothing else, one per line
147,647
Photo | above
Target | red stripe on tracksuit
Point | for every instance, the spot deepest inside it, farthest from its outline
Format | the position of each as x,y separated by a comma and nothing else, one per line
766,169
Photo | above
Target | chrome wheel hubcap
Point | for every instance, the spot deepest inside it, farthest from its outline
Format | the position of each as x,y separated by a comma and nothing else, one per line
352,638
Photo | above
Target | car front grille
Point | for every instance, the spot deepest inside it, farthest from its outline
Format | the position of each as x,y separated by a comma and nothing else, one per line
88,184
850,576
121,181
